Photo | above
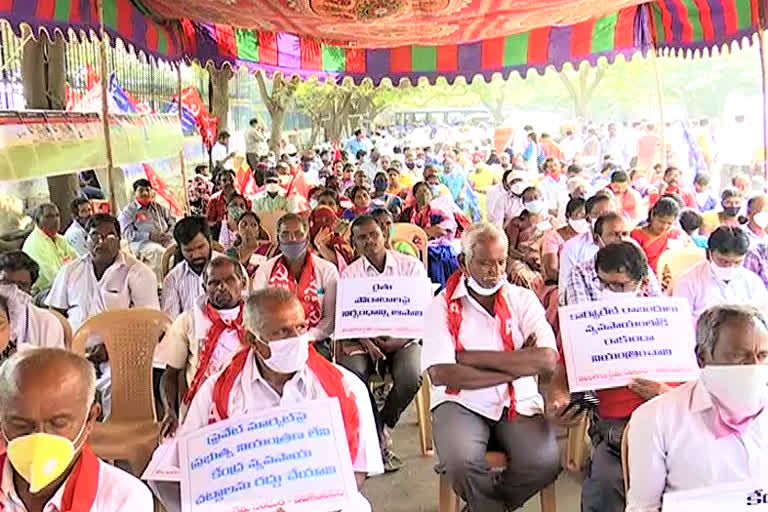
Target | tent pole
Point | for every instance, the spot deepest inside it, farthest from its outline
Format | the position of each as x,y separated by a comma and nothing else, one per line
185,187
105,107
763,67
660,95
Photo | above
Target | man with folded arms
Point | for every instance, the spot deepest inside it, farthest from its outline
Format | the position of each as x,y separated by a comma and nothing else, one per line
203,339
401,356
710,431
486,341
47,411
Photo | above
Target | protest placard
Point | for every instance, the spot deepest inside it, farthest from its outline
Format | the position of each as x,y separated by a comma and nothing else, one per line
164,465
609,343
295,458
381,306
731,497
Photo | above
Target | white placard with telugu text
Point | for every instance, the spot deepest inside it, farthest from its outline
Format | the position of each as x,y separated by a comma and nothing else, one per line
733,497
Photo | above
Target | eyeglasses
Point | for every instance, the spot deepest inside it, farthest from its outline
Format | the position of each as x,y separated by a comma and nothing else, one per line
629,286
98,238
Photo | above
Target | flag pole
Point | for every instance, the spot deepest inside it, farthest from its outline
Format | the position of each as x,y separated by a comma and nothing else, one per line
763,67
660,96
105,107
185,186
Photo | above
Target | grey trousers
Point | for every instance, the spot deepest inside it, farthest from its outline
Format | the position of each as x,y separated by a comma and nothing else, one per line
404,366
603,487
462,438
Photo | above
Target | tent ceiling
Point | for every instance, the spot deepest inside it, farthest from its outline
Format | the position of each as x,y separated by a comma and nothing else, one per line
389,23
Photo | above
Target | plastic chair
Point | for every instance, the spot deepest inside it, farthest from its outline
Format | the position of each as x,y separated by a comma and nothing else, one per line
413,234
130,336
674,262
65,326
449,502
625,459
576,452
269,222
423,401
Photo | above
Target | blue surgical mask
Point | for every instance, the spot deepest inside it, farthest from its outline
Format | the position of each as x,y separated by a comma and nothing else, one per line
294,250
535,207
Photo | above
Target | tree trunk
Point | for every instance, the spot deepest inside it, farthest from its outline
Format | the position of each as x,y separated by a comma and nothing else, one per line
220,86
43,77
276,134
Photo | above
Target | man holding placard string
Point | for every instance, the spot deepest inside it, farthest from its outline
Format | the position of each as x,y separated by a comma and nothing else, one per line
401,356
711,431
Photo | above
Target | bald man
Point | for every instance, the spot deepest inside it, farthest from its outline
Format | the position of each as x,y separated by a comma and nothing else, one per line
47,411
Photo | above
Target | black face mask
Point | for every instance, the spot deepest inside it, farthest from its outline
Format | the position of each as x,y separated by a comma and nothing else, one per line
731,211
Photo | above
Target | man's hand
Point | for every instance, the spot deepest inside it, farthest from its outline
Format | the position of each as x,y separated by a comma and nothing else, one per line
388,345
648,389
555,403
169,425
373,350
97,354
530,342
157,237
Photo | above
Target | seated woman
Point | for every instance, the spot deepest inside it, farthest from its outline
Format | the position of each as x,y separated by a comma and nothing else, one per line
23,325
386,222
525,233
326,235
554,239
661,232
440,227
252,246
382,199
361,203
236,206
690,221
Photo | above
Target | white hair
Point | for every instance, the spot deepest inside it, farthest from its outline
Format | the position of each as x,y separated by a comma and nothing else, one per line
33,359
255,304
479,232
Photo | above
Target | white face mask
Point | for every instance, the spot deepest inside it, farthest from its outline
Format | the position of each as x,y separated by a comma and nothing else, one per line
722,273
535,207
741,389
480,290
518,188
272,188
761,219
579,225
288,355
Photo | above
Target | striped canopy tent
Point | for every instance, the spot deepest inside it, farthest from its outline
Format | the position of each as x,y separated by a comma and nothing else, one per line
155,27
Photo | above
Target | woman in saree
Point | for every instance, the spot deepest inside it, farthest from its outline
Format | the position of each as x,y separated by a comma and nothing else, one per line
661,232
440,228
252,246
326,233
525,233
361,203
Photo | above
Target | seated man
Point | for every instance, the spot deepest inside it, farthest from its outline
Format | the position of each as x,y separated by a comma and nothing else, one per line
710,431
583,284
584,246
756,260
82,211
204,338
722,279
23,325
398,355
147,225
47,400
272,198
47,247
281,369
486,341
184,283
19,269
311,279
216,211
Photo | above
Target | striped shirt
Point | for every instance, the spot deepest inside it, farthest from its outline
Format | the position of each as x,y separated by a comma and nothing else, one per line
181,287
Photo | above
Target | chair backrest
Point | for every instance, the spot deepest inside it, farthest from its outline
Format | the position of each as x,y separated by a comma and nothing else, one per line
166,263
130,336
269,222
674,262
65,326
415,235
625,458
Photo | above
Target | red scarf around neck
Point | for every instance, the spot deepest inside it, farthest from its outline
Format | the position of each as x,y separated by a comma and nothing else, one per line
306,290
218,326
421,219
456,316
331,379
81,486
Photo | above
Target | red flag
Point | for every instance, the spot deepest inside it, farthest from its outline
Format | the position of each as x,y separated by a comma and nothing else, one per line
246,185
190,99
91,78
161,188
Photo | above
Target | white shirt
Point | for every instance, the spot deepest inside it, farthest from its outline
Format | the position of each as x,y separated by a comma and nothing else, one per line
31,326
118,492
576,250
126,283
480,331
552,191
395,265
252,394
672,447
181,288
76,236
703,290
219,153
326,276
500,205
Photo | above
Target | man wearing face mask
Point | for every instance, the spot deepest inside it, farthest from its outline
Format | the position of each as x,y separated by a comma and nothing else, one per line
757,215
280,368
47,411
619,271
202,340
272,198
311,278
75,233
147,225
584,246
710,431
486,341
503,202
47,247
722,279
184,283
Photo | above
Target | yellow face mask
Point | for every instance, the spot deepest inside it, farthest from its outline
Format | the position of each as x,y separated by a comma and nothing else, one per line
41,458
